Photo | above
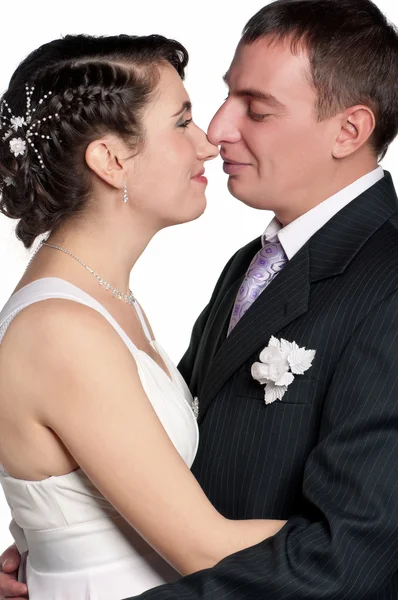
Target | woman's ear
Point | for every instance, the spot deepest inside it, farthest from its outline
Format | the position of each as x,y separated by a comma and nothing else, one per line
357,126
103,156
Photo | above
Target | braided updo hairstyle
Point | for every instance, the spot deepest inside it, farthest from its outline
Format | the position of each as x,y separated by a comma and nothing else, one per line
82,87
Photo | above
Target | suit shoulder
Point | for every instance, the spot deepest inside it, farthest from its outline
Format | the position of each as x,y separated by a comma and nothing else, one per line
393,223
386,239
381,256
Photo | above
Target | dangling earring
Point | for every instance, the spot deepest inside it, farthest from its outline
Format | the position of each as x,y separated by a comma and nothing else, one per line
125,195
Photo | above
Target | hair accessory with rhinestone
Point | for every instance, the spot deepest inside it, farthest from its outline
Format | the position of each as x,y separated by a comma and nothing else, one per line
26,127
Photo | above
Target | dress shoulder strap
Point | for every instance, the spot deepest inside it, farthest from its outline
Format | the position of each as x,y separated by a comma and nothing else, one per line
53,287
143,321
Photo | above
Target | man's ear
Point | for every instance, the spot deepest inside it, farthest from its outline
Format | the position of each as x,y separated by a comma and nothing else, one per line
104,158
357,126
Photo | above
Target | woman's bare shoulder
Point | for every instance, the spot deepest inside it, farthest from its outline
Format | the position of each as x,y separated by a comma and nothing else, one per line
55,338
41,320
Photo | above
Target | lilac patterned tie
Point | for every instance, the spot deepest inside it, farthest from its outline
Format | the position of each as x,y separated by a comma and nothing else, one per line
265,265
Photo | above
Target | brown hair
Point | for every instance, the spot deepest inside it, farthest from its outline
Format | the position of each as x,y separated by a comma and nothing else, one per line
353,53
83,87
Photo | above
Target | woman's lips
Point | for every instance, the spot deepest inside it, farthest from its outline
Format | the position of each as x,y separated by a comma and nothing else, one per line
200,178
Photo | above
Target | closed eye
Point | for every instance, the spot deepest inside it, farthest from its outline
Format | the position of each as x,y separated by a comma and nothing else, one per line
257,116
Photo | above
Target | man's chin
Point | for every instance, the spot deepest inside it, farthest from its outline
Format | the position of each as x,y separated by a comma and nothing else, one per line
248,196
236,188
240,191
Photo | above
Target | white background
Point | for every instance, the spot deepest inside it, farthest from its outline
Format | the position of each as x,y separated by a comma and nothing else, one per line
177,273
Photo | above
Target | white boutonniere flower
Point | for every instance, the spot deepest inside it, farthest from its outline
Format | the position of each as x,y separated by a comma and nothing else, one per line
280,362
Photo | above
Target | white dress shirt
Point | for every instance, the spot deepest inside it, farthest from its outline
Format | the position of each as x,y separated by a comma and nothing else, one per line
297,233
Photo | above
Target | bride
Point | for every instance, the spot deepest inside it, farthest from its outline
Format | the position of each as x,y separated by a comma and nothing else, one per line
99,152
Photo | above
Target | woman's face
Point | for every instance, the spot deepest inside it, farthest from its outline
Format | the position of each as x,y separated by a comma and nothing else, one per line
165,180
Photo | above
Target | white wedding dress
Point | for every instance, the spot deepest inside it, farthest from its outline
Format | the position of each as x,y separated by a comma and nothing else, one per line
78,547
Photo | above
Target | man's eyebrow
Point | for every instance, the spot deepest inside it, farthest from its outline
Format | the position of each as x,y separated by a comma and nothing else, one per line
186,106
257,95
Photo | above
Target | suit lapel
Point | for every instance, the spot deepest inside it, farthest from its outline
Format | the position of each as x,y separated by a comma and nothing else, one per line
327,254
218,321
285,299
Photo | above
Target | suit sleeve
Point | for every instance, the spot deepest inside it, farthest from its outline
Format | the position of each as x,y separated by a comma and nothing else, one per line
346,547
185,365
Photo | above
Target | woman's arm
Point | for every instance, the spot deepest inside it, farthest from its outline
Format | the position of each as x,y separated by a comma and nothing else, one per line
86,385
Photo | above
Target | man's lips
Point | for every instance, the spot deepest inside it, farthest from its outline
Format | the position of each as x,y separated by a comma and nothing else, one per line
232,162
232,167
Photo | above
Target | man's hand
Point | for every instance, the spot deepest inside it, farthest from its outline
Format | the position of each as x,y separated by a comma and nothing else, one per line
9,586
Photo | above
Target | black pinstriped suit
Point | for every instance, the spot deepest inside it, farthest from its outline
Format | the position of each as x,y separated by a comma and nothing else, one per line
325,457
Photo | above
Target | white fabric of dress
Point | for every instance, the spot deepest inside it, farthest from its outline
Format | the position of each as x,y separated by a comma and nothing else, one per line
77,546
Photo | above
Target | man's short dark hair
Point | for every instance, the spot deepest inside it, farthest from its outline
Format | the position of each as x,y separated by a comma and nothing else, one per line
353,52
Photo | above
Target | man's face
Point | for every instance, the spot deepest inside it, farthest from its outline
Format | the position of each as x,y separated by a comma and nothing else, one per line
275,152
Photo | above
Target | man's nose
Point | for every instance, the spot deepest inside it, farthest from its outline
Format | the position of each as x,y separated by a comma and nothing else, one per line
224,126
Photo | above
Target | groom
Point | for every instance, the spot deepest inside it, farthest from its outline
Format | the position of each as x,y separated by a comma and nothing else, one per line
310,437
